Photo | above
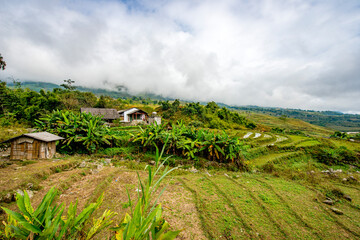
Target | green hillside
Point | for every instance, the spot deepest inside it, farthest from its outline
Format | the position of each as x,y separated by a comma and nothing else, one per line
237,174
329,119
280,196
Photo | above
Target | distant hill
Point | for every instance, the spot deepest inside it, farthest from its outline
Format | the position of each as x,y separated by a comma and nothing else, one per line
36,86
120,93
330,119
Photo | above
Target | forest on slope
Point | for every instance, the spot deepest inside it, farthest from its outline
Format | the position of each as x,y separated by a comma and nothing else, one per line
330,119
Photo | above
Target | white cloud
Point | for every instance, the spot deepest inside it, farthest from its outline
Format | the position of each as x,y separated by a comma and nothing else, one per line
299,54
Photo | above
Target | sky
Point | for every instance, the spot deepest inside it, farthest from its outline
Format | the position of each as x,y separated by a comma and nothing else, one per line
273,53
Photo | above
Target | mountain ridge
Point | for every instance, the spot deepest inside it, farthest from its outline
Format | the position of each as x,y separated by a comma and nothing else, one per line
331,119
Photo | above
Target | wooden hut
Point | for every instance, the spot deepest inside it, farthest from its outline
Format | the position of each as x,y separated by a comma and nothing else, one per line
39,145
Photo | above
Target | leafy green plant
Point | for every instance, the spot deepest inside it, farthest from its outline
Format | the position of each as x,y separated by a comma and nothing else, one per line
146,220
83,132
334,156
341,135
47,221
192,143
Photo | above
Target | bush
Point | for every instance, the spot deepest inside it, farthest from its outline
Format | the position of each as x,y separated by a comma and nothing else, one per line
250,125
196,123
341,135
334,156
217,124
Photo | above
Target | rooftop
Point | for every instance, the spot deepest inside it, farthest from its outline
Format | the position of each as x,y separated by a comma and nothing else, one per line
41,136
106,113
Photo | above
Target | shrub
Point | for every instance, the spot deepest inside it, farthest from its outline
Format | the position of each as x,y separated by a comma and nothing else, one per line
196,123
250,125
334,156
341,135
217,124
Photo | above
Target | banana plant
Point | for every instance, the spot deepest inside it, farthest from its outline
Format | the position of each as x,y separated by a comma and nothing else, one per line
189,148
213,145
82,132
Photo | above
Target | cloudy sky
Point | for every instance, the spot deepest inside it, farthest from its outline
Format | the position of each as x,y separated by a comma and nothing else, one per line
281,53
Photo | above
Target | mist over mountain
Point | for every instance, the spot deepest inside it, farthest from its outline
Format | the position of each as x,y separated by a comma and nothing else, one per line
290,54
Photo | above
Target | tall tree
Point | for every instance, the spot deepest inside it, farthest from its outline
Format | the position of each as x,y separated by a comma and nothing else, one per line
68,85
2,63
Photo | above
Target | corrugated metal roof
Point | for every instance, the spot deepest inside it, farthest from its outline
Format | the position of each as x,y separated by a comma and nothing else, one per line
106,113
41,136
132,110
44,136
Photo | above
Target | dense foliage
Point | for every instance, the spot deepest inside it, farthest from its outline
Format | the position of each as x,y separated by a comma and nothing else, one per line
83,132
334,155
2,63
192,143
24,105
210,115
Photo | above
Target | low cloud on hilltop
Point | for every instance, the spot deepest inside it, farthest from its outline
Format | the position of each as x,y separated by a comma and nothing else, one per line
298,54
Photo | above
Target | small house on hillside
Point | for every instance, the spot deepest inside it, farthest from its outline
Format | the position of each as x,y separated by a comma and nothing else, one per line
41,145
133,115
108,114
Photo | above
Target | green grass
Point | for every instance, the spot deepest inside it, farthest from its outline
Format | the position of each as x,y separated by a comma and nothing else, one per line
232,206
313,211
308,143
280,199
260,161
345,143
217,213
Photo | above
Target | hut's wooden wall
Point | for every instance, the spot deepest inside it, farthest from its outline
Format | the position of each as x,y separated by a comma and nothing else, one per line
47,150
28,148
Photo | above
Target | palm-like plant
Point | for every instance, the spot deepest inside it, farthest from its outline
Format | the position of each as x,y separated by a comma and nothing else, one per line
146,221
48,222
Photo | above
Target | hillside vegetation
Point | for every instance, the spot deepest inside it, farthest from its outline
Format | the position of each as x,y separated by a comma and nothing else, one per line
329,119
280,196
228,174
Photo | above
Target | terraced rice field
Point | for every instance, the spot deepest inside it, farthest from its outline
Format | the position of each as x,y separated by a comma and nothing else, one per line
219,205
215,205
